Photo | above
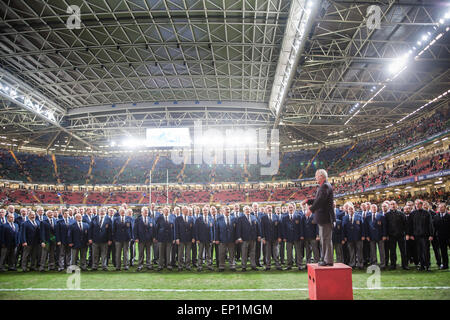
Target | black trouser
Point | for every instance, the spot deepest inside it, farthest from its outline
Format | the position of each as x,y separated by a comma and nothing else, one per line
345,253
437,250
89,261
215,249
194,254
112,253
282,251
366,252
423,251
19,252
238,250
393,241
173,255
258,253
411,252
386,251
443,245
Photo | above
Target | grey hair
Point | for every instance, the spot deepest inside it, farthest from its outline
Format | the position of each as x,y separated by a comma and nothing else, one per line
323,173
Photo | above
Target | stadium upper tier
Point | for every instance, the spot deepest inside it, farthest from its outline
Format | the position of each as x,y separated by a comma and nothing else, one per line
134,168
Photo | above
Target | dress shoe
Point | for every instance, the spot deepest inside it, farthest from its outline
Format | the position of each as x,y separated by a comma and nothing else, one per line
288,268
322,263
243,270
392,267
254,268
139,269
405,268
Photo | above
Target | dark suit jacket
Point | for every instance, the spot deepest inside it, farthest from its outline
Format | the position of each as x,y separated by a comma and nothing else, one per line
224,233
29,233
122,232
322,205
204,229
62,231
143,232
46,231
103,234
270,229
247,231
184,231
9,238
165,230
79,238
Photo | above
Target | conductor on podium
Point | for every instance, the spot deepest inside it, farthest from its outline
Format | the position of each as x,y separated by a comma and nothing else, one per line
324,216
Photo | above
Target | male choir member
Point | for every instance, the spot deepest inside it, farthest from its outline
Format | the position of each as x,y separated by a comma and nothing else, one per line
144,234
354,236
204,236
291,233
30,239
10,238
225,237
122,235
376,232
248,233
48,241
100,237
422,230
184,237
270,235
62,240
396,229
165,237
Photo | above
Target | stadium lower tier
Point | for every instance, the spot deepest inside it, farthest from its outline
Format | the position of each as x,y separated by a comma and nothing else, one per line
435,185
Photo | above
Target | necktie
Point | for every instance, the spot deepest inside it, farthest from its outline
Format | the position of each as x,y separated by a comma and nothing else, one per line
81,227
12,226
270,217
34,223
101,221
66,221
228,221
3,220
290,217
51,223
123,219
166,219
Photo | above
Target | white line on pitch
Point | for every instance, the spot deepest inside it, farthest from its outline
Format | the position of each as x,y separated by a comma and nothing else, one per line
206,290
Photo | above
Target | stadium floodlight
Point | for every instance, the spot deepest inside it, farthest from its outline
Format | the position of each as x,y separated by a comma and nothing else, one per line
293,40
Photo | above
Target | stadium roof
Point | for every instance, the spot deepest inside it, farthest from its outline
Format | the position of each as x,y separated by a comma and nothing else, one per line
314,69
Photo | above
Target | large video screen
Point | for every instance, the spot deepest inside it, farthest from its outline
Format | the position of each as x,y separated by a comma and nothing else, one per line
168,137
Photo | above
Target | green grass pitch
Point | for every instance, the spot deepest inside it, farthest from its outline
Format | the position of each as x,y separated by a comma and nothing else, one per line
214,280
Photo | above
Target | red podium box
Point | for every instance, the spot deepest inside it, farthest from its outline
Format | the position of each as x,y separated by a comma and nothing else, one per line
330,283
